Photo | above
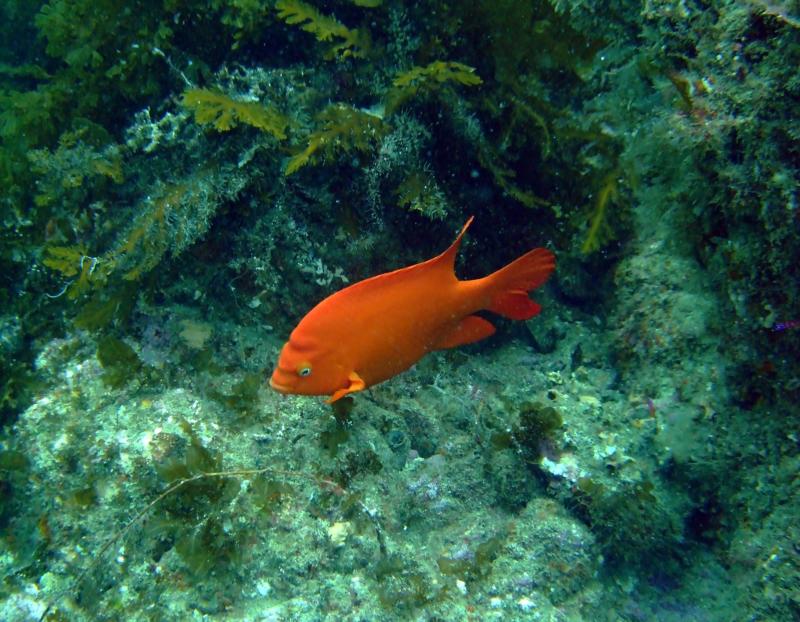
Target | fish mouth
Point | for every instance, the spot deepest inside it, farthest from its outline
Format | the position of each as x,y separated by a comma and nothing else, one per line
280,388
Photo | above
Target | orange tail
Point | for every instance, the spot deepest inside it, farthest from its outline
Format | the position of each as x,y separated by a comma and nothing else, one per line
509,286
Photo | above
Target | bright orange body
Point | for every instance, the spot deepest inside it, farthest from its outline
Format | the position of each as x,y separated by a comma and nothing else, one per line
375,329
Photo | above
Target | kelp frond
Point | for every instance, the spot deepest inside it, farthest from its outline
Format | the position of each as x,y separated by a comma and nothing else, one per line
599,230
323,27
438,71
224,113
431,77
342,128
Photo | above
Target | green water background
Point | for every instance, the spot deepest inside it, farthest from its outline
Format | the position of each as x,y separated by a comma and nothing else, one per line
183,179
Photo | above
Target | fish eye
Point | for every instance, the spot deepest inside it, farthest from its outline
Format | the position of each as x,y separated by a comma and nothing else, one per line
304,369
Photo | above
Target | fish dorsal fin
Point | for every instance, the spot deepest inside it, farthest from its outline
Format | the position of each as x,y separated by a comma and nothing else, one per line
448,258
444,261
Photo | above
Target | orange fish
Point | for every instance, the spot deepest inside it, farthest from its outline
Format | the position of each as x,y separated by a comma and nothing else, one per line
377,328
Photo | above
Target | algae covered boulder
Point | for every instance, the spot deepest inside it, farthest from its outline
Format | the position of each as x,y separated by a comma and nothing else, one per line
547,552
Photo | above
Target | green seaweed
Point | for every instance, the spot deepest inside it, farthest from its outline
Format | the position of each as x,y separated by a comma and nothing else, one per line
348,43
341,128
76,170
13,460
268,493
119,361
630,521
475,564
420,193
248,19
600,231
224,113
207,546
405,588
419,80
243,396
332,438
65,259
195,516
536,428
105,307
83,498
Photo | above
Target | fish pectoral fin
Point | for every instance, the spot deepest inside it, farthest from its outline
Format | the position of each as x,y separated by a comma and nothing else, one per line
356,384
469,330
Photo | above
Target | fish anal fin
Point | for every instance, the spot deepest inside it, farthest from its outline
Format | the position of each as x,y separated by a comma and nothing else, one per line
356,383
469,330
515,305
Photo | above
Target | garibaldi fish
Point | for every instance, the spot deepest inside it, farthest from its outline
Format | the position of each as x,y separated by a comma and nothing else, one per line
377,328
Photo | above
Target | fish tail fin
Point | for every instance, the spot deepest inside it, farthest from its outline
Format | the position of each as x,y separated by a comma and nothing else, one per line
509,286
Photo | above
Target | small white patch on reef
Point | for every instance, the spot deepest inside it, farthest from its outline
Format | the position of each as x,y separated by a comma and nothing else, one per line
590,400
566,467
263,587
526,604
195,334
339,531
